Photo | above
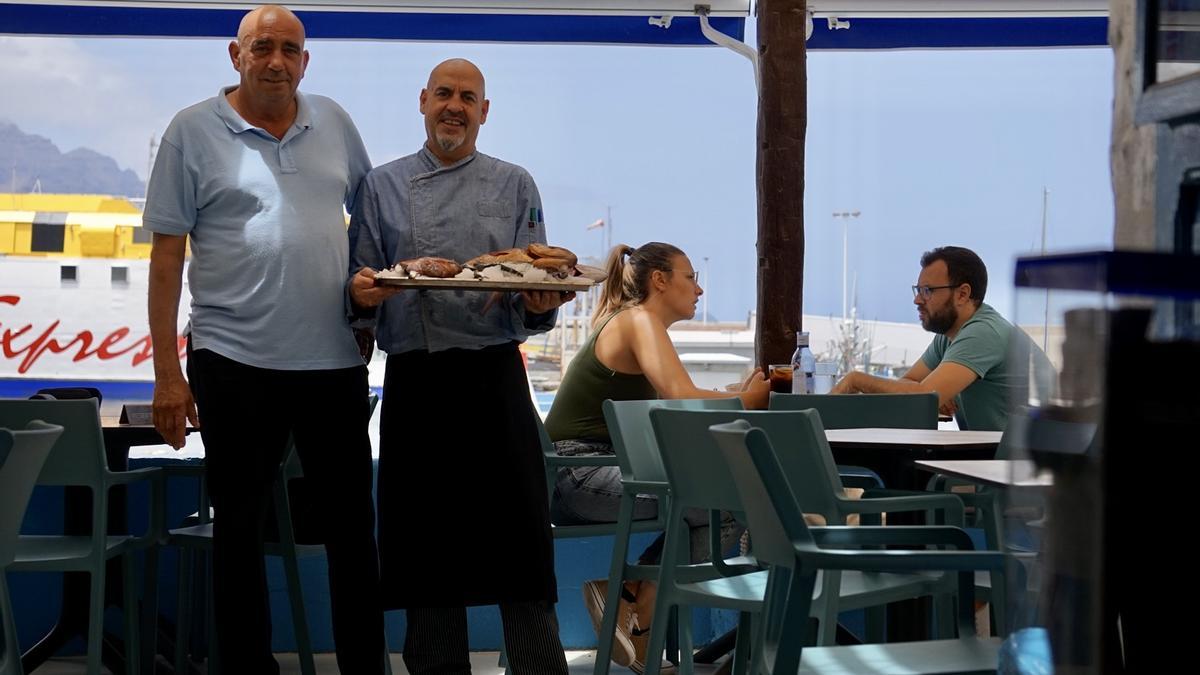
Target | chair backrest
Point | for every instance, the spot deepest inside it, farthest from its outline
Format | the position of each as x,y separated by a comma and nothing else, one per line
68,394
546,443
633,437
783,540
747,454
780,539
692,454
22,454
1015,435
693,463
859,411
78,457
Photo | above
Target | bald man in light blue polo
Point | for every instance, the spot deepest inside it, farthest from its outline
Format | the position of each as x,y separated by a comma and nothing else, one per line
258,180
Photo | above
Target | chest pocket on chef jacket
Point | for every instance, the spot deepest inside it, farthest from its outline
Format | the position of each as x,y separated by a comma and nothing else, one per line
501,209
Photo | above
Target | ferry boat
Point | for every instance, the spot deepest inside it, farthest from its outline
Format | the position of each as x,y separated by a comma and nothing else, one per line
74,273
74,282
73,291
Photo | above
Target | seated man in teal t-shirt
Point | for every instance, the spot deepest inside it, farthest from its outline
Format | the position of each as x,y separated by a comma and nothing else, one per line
973,363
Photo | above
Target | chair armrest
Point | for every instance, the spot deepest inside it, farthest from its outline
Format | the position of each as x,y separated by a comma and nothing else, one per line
962,562
978,499
581,460
883,493
183,470
983,499
854,480
645,487
950,503
902,561
898,535
156,531
878,493
859,476
112,478
940,482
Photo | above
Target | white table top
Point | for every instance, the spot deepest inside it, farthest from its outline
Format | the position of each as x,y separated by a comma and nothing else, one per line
995,472
909,438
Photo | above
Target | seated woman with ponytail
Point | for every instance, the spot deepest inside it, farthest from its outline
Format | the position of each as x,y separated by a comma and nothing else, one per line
629,356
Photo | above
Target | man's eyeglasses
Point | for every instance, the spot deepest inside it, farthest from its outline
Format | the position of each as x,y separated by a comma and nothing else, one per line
926,291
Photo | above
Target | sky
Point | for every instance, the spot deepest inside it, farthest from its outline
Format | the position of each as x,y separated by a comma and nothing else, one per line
931,147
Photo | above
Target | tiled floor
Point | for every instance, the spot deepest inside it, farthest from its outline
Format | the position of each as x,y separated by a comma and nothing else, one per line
482,663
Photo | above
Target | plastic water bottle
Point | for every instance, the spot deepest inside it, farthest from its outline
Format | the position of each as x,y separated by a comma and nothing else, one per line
804,366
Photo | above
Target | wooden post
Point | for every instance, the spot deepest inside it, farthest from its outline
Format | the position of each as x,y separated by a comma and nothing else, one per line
1134,149
782,118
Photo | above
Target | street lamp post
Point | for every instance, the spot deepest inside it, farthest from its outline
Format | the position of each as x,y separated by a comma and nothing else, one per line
845,216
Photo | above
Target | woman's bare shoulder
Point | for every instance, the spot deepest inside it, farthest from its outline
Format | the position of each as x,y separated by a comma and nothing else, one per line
637,321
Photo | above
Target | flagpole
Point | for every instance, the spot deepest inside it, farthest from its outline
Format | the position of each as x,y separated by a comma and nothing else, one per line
608,231
599,222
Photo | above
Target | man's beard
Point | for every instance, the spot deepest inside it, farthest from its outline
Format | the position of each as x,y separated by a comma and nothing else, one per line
940,322
449,143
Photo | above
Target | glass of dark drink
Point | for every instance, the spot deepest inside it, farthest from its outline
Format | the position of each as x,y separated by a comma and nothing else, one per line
781,378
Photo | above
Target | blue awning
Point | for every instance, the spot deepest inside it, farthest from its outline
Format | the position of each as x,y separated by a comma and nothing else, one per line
147,20
961,32
579,21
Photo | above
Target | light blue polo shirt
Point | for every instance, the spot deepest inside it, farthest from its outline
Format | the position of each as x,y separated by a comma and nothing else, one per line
267,228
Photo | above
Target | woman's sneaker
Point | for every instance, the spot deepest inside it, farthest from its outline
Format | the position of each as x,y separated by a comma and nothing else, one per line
594,594
639,629
630,639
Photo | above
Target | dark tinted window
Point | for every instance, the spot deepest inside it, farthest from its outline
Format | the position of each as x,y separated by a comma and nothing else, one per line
47,238
1178,40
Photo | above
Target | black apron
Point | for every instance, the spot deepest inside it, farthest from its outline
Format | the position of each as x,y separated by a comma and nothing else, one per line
463,511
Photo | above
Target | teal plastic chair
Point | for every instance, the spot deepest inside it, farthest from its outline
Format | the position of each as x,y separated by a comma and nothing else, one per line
818,486
78,459
809,462
197,537
22,454
794,553
642,472
913,411
554,462
698,478
859,411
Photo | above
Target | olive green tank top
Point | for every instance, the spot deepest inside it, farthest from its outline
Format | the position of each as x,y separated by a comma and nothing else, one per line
576,412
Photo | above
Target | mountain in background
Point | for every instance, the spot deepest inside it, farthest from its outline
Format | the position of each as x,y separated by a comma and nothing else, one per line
27,160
